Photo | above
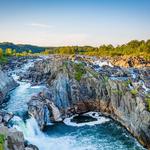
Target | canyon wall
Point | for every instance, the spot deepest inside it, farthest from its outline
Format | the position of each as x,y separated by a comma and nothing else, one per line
75,88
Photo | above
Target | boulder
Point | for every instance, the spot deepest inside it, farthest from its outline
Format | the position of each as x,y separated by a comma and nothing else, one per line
31,147
13,139
5,117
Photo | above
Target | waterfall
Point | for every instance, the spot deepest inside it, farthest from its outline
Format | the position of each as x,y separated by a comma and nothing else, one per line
36,137
31,132
46,116
30,129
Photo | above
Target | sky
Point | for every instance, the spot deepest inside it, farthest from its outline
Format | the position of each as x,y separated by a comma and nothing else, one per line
74,22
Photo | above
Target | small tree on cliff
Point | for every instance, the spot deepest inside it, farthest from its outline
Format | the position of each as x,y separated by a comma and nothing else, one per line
14,52
1,52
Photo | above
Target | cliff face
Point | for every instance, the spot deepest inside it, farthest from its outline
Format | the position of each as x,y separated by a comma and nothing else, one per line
77,88
6,84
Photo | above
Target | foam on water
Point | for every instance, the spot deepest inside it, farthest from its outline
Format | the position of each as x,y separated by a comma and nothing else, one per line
102,63
96,115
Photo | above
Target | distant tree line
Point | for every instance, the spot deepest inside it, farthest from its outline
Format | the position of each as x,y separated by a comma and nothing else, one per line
10,52
132,48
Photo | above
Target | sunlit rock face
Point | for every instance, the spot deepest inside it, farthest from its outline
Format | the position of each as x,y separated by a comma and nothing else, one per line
76,88
6,85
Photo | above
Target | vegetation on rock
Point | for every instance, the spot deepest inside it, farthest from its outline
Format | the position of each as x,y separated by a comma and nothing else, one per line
127,83
134,91
148,103
119,92
93,73
2,140
79,71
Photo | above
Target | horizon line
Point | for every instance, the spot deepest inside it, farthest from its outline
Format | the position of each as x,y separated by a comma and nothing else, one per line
114,45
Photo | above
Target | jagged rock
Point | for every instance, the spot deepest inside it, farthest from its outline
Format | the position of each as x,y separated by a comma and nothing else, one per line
31,147
6,85
43,110
15,140
5,117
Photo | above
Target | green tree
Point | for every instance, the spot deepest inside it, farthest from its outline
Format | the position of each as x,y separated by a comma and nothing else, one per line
30,51
14,52
1,53
8,52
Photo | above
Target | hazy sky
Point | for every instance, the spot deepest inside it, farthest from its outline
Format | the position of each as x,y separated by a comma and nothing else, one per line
74,22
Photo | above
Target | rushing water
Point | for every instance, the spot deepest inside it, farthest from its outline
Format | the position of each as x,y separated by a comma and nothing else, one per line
100,134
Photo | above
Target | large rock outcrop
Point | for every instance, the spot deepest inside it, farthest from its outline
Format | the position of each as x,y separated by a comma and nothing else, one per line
76,88
6,85
11,139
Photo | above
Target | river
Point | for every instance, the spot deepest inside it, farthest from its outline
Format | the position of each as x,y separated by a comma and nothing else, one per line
103,134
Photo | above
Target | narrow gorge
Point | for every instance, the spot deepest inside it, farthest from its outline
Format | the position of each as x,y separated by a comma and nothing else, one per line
78,101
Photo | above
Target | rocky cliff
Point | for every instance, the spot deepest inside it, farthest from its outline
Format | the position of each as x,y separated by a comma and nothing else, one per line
6,85
75,88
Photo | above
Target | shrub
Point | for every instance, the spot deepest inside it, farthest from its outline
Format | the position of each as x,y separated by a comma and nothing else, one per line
119,92
3,60
2,139
79,71
148,103
127,83
134,92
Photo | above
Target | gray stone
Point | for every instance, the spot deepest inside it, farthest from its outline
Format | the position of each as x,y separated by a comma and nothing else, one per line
6,85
